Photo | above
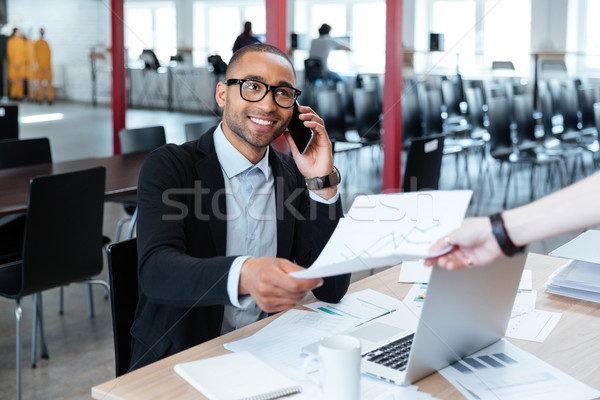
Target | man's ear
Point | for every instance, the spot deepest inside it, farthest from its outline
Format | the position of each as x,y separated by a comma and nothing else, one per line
221,93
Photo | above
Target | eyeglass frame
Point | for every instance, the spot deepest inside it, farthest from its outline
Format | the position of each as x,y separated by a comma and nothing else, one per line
270,88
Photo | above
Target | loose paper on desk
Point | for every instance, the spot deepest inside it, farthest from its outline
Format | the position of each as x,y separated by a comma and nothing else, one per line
503,371
386,229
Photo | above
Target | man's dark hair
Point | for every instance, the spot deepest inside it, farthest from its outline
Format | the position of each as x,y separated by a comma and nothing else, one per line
256,47
324,29
248,27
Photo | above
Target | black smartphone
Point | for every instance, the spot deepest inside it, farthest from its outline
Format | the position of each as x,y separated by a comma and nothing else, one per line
301,134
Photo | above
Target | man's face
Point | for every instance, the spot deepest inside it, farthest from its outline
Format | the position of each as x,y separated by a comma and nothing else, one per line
255,125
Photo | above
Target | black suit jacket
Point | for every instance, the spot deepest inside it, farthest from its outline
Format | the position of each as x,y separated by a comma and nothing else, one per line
181,238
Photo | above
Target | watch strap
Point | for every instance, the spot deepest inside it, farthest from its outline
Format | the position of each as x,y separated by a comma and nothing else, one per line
322,182
499,230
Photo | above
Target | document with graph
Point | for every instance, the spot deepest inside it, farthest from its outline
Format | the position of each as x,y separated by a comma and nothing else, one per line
386,229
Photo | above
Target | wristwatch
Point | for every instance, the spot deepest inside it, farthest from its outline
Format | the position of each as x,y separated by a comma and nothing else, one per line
322,182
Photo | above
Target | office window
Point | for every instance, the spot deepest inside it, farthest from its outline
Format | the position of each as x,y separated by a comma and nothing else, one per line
592,45
507,33
150,27
368,37
360,24
456,20
216,25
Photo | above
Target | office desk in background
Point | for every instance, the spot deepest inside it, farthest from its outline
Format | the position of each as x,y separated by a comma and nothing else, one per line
573,346
121,178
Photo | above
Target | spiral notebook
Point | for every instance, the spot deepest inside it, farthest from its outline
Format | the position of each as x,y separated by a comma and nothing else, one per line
236,376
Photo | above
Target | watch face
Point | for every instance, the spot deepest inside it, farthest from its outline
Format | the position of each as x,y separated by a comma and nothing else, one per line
324,181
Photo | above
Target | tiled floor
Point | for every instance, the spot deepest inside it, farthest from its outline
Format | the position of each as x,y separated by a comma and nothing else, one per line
81,349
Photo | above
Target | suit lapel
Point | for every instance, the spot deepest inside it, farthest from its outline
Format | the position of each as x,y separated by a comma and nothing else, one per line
283,190
212,184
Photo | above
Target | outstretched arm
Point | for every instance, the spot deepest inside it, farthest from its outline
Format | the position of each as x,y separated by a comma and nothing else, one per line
573,208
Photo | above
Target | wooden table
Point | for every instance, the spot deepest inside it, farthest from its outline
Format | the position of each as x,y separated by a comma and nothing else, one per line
573,346
121,178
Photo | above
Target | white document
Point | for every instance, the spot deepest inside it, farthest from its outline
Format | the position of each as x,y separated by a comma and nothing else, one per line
534,325
280,343
386,229
526,282
502,371
584,247
524,302
415,298
358,306
414,272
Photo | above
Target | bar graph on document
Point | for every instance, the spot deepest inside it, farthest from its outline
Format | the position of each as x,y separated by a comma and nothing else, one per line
503,371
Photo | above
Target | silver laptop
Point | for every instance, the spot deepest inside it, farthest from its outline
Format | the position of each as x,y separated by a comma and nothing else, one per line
464,311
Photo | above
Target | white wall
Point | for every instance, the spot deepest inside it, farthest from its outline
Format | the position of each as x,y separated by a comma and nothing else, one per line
549,25
72,28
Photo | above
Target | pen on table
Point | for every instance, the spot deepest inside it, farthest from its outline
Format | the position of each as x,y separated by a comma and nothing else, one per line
380,315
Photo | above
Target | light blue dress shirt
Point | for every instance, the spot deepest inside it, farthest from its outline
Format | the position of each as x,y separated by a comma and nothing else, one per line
251,223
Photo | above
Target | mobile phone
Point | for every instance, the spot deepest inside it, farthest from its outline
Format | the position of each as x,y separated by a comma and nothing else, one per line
301,134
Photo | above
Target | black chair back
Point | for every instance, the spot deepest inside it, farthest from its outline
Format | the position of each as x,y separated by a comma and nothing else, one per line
523,112
423,164
141,139
499,126
474,97
194,130
9,121
313,70
19,153
432,112
63,230
587,98
412,124
367,113
451,94
329,106
569,108
122,274
546,107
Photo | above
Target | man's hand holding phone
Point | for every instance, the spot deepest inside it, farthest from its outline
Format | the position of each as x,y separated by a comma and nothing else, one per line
317,158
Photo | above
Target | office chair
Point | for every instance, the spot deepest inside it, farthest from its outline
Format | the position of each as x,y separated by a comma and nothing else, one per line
9,121
423,164
122,273
194,130
18,153
367,113
135,141
62,244
329,106
313,71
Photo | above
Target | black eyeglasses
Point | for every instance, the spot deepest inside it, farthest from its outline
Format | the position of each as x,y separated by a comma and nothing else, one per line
255,91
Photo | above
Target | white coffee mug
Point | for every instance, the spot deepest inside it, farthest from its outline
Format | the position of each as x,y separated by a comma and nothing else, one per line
339,367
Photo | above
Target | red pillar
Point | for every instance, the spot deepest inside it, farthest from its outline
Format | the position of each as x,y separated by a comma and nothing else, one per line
119,97
277,36
277,23
392,97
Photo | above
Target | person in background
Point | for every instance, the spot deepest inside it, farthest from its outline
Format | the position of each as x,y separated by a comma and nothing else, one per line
31,79
479,241
322,46
245,38
44,68
16,55
224,219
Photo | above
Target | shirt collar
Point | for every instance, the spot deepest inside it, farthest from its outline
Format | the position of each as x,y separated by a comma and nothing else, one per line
232,161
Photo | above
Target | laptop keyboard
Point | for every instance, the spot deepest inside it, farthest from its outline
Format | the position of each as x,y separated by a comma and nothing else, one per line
393,355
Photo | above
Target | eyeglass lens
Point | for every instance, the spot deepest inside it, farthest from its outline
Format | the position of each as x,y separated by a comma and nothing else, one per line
256,91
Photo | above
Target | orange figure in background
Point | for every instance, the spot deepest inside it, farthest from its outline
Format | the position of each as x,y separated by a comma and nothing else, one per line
30,66
16,55
44,67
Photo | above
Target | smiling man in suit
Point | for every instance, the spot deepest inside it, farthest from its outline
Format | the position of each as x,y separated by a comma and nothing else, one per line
222,220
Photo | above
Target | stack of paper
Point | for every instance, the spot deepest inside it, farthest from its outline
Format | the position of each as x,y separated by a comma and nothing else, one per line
580,277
